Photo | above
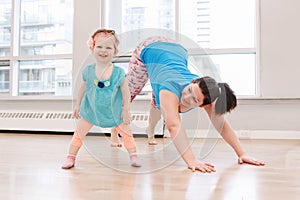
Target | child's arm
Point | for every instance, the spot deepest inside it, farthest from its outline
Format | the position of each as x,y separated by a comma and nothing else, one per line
126,116
81,92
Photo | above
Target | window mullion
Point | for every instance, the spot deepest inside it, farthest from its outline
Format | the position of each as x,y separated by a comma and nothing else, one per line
15,28
201,51
177,16
15,44
43,57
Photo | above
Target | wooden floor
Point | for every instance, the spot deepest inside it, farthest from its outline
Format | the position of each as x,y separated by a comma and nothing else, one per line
30,170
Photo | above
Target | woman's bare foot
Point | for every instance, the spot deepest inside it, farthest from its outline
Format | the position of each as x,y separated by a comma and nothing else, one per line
152,141
115,141
116,145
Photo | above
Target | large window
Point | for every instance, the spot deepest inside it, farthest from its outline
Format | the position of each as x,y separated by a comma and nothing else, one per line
224,31
36,47
36,39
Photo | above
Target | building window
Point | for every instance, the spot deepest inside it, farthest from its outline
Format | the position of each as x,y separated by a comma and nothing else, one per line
5,27
46,27
223,30
4,77
45,77
138,14
37,47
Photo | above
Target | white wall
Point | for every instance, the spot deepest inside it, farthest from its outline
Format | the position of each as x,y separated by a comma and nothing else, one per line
277,108
279,48
86,21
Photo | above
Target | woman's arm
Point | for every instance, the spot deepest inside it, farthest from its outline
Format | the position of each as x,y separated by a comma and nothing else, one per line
126,116
228,134
169,108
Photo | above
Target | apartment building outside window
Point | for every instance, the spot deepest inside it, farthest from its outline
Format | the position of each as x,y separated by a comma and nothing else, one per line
36,40
225,32
36,47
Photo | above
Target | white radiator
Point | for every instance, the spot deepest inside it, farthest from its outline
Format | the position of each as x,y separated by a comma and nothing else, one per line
62,122
55,121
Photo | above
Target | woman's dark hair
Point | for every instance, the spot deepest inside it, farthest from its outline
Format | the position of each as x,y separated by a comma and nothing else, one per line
226,99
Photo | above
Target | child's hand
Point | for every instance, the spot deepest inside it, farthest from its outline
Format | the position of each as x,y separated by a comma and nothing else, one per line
126,116
76,113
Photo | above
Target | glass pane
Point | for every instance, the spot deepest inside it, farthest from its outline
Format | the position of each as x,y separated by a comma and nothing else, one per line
4,77
139,14
146,89
45,77
46,27
238,70
219,24
5,27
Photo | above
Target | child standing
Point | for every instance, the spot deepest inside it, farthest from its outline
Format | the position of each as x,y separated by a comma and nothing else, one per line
103,98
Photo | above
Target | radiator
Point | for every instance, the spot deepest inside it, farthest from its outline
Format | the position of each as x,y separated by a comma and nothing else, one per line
55,121
62,122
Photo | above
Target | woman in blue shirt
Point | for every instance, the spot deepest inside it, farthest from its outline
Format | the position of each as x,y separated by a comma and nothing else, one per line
176,90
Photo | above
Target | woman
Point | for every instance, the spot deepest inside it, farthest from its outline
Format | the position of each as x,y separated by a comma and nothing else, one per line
176,90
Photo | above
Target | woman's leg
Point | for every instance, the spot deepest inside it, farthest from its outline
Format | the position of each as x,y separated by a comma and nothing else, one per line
129,143
137,75
80,132
155,116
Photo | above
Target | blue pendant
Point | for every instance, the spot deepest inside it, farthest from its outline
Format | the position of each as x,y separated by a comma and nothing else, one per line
100,84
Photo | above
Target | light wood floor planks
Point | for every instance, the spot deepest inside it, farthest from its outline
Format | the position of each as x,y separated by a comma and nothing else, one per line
30,170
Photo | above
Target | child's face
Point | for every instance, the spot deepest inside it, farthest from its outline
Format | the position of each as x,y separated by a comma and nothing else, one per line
104,49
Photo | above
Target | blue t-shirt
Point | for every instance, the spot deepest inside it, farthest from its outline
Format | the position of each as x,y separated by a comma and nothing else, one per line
102,106
167,68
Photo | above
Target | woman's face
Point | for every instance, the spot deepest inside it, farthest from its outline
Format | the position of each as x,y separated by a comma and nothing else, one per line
192,96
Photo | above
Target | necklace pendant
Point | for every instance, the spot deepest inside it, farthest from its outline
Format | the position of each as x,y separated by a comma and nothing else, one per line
95,82
107,83
102,84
